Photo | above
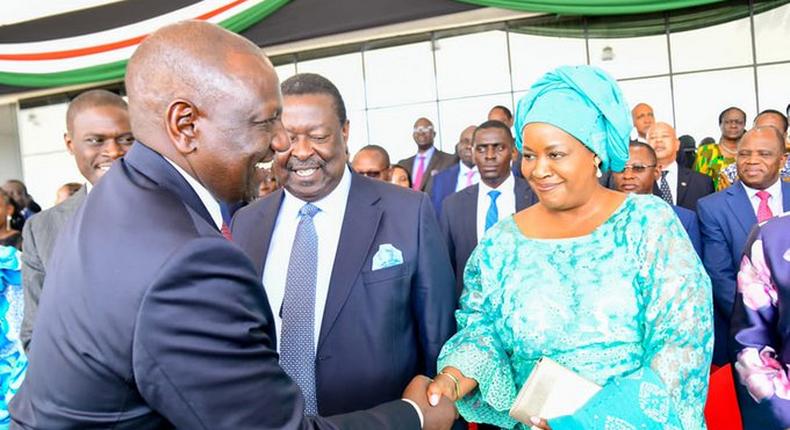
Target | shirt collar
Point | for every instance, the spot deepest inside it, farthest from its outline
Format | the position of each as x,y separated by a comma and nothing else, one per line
88,187
508,184
465,169
774,190
332,202
427,154
672,168
211,204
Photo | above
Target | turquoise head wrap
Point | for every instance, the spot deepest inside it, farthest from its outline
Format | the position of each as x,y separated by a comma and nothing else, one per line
585,102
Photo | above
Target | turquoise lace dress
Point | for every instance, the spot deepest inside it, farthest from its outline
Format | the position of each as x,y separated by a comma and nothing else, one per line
627,306
12,358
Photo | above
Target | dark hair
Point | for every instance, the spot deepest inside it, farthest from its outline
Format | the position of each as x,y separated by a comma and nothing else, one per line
721,115
492,123
707,141
651,153
381,151
774,112
91,99
312,83
507,111
398,166
787,109
17,220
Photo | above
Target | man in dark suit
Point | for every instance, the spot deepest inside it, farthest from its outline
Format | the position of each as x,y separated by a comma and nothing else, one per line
377,303
640,175
149,318
461,175
467,214
429,160
727,217
97,133
677,185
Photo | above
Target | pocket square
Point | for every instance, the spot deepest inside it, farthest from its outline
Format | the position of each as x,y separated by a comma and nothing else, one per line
387,256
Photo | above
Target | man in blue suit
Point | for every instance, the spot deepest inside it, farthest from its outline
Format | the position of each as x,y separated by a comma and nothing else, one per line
377,304
467,214
461,175
149,318
640,175
727,217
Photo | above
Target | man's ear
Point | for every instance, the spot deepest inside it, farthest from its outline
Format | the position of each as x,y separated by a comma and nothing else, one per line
69,143
181,124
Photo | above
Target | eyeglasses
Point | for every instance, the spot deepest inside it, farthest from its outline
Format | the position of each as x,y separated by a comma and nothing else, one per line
375,174
423,129
638,168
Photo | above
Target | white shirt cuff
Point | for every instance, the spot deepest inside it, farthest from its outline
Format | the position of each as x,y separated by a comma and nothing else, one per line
419,411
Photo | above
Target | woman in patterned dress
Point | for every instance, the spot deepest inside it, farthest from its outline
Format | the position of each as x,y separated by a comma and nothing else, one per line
713,158
606,284
12,358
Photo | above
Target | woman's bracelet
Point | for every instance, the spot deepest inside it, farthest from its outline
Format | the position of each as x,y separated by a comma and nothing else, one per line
456,382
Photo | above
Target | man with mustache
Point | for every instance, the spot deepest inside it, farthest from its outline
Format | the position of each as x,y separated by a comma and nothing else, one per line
97,133
150,318
355,268
727,217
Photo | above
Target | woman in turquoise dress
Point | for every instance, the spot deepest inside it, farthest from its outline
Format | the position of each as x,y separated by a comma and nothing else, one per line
606,284
12,358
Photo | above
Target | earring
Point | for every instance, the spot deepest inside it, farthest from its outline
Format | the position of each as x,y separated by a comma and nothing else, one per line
8,222
597,161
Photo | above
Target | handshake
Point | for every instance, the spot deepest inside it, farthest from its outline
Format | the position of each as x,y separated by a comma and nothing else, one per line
440,416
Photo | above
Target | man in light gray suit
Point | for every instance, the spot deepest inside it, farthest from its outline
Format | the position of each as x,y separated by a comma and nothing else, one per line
97,133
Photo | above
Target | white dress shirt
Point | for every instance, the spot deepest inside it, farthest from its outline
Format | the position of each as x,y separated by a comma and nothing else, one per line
505,203
211,204
427,154
460,183
774,202
328,223
672,180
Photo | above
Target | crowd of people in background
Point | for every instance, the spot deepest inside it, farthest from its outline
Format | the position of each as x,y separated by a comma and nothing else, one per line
645,265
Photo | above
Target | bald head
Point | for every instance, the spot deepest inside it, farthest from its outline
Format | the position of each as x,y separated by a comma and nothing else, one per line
642,117
209,101
663,139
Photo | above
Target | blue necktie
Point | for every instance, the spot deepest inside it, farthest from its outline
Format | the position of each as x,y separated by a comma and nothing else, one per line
492,216
297,346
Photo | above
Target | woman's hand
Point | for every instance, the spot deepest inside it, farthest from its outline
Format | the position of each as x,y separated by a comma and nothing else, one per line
442,385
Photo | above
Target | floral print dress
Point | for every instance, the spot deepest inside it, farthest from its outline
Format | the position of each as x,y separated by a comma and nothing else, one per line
13,362
711,161
761,327
627,307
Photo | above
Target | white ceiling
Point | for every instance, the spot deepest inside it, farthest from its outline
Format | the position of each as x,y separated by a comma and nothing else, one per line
15,11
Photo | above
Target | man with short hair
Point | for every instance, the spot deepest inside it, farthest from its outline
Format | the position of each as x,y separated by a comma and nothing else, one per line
372,161
18,192
355,267
727,217
767,117
461,175
502,114
150,318
643,118
469,213
640,176
676,184
429,160
97,133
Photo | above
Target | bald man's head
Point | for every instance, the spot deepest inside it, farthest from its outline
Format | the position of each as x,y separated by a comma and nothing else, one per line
642,117
208,100
663,139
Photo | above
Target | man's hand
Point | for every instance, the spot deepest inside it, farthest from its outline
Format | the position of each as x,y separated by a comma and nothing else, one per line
439,417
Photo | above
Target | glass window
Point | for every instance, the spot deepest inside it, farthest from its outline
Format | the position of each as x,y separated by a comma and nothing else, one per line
654,91
631,57
532,56
723,45
45,173
285,71
472,64
41,129
345,71
392,128
458,114
774,86
357,131
772,35
400,75
700,98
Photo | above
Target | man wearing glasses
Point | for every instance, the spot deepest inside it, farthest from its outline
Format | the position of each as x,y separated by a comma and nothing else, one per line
372,161
677,185
640,176
428,160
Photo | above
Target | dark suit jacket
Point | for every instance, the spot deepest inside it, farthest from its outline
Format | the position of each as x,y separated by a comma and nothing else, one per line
150,319
39,236
380,328
459,223
443,185
439,161
726,218
691,225
692,186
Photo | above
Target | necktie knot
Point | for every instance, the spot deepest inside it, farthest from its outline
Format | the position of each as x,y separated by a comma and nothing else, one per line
763,195
308,210
494,194
664,173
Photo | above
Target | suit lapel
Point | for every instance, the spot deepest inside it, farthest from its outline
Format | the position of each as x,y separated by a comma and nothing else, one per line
739,204
258,246
524,195
684,179
785,196
468,216
360,224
